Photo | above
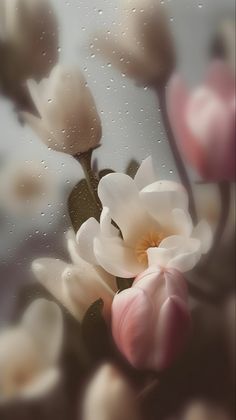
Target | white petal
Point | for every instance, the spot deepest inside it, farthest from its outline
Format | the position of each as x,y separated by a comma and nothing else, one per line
85,237
41,385
119,193
161,197
35,90
177,252
185,262
38,126
48,272
73,248
43,320
203,233
186,252
145,174
82,289
115,258
159,256
183,222
107,229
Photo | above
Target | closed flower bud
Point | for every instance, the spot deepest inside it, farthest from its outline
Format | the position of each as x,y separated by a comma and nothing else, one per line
68,119
204,123
28,43
142,49
151,320
109,397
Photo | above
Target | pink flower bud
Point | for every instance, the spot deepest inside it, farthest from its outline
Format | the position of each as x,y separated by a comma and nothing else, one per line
204,123
151,320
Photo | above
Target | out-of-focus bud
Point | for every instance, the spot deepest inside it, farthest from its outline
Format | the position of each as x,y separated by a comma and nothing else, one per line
230,331
27,189
151,320
29,352
109,397
204,411
204,123
142,49
28,43
224,43
68,119
76,285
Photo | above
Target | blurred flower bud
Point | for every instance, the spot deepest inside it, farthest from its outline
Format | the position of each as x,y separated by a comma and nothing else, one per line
109,397
68,119
27,189
76,286
224,42
151,320
142,49
28,43
203,411
204,122
30,351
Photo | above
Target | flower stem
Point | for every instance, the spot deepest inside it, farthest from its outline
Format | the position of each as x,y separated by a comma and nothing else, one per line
148,389
92,180
178,160
224,190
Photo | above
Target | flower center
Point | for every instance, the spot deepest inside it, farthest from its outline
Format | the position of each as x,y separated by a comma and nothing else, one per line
152,239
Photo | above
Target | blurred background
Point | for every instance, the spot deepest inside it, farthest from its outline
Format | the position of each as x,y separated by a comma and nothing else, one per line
132,130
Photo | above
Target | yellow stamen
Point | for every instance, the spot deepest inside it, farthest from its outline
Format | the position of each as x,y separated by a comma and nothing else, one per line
151,240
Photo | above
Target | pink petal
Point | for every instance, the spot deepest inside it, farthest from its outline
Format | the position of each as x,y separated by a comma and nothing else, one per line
173,331
132,314
177,100
220,78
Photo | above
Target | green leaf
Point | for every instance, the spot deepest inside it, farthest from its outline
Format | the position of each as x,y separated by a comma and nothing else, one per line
95,332
123,284
81,205
132,168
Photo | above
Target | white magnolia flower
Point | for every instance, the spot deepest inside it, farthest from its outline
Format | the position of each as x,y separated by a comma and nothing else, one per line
155,226
28,31
68,119
142,46
29,352
109,397
76,285
27,189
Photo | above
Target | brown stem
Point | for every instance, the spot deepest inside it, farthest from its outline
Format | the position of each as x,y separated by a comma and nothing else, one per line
178,160
92,180
224,190
148,389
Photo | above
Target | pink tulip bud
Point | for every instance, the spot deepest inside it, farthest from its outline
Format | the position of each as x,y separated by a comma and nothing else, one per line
204,123
151,320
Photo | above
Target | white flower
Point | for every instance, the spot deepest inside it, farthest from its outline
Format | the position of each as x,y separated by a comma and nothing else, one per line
76,285
28,31
154,222
27,189
68,120
29,352
109,397
142,47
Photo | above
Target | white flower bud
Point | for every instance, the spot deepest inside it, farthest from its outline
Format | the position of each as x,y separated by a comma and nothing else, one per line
69,121
142,48
30,38
109,397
